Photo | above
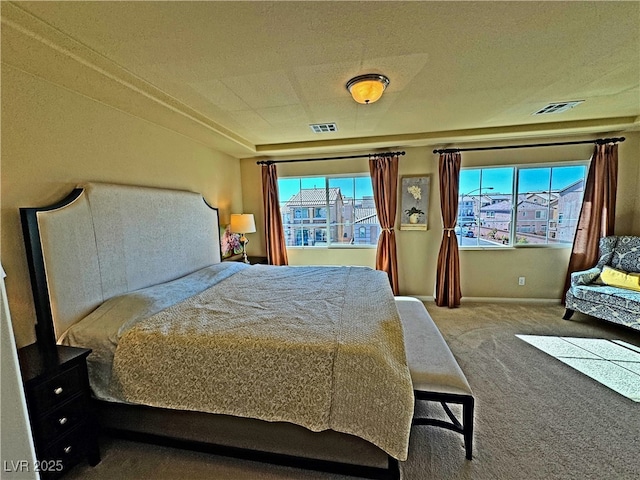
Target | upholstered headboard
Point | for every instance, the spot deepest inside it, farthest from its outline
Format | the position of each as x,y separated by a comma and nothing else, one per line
104,240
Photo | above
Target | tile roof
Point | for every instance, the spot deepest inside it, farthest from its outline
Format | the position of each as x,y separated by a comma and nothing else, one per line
503,206
527,205
314,196
365,215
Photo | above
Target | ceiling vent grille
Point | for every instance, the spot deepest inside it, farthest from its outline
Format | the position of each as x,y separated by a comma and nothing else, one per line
558,107
324,127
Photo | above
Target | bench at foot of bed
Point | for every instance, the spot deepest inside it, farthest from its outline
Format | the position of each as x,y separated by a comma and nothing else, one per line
435,373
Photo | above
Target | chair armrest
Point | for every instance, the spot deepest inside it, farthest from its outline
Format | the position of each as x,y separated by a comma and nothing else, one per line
585,277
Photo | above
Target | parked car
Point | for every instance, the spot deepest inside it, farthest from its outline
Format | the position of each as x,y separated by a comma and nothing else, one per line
464,231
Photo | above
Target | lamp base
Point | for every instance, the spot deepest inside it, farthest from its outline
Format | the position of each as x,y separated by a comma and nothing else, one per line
244,241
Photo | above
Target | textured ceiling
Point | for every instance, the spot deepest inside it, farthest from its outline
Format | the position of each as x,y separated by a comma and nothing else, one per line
266,70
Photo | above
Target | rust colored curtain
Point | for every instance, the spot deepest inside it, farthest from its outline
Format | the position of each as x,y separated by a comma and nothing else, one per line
448,292
384,178
274,235
597,216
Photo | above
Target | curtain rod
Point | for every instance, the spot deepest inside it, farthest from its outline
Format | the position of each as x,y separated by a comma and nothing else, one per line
600,141
382,154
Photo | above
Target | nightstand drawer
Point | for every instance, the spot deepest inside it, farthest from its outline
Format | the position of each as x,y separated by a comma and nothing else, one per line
65,452
56,390
63,419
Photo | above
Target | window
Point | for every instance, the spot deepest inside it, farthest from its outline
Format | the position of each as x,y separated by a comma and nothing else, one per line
328,211
302,236
299,213
520,205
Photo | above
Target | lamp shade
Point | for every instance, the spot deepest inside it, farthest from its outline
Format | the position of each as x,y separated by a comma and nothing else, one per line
242,223
367,88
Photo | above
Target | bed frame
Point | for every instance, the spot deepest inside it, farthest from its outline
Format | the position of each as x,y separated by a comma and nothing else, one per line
104,240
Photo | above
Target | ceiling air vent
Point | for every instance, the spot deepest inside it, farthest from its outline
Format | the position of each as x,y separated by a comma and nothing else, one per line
324,127
558,107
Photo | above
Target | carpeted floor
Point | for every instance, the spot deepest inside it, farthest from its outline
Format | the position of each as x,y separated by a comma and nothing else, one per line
536,418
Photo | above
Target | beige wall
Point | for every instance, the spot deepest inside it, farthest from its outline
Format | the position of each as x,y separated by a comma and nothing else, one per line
53,138
485,273
632,209
15,437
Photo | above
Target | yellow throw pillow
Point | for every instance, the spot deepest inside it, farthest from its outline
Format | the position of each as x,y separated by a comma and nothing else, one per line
619,278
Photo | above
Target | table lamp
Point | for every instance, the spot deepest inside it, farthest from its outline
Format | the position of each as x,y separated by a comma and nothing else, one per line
243,223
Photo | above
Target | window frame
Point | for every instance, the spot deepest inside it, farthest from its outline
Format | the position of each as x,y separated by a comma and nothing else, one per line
514,210
330,244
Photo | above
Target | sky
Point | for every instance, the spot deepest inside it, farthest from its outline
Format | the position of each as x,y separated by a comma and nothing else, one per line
361,187
500,179
531,179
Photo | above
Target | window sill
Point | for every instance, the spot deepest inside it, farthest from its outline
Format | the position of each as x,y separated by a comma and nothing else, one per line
513,247
493,249
332,247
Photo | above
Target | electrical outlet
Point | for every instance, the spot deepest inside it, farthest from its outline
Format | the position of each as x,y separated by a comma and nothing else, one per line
520,281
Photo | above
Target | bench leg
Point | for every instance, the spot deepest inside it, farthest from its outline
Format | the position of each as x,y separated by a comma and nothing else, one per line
467,426
567,314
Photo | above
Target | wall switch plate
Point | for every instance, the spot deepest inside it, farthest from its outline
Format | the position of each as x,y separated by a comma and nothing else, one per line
520,280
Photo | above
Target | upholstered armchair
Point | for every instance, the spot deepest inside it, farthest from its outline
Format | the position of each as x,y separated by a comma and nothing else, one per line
590,295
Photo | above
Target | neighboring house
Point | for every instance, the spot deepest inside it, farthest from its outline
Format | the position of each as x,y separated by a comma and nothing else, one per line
499,197
366,227
540,217
532,217
351,221
469,206
541,198
304,216
553,218
568,211
497,215
466,210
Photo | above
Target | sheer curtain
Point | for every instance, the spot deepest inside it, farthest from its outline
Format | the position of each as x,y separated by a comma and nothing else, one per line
384,178
597,216
448,270
274,235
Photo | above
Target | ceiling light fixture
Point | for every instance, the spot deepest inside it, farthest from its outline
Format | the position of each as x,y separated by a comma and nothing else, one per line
367,88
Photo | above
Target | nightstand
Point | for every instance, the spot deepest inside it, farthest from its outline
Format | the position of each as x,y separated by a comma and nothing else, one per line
253,260
59,403
257,260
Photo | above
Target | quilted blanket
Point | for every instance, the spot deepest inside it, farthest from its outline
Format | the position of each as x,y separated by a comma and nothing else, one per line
320,347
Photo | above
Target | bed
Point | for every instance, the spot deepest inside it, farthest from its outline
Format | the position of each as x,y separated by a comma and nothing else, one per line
304,366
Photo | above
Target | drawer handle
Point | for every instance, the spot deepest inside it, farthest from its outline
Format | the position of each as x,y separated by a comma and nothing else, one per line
67,449
58,391
62,420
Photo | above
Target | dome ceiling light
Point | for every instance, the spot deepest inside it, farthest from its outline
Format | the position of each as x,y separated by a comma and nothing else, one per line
367,88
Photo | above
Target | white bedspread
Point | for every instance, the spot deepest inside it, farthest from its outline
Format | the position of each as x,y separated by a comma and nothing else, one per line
101,330
321,347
